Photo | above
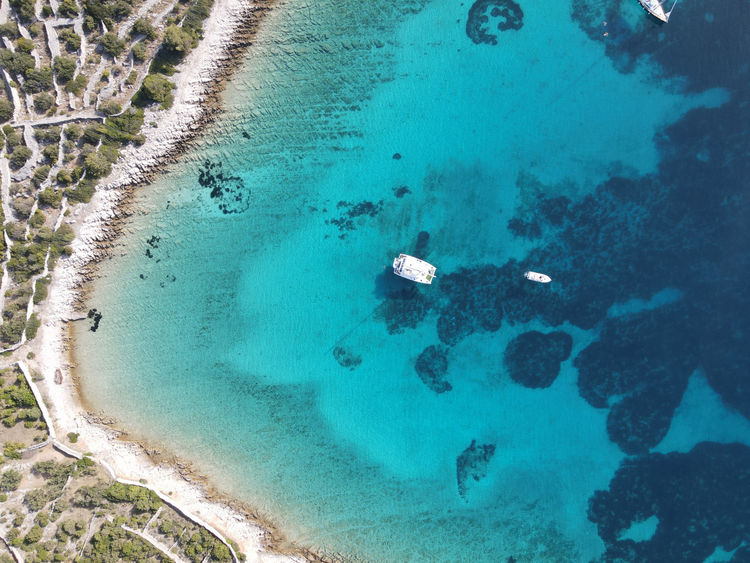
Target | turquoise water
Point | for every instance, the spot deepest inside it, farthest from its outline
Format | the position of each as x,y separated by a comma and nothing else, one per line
219,329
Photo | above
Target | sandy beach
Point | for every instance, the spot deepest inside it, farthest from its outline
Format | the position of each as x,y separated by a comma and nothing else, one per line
198,82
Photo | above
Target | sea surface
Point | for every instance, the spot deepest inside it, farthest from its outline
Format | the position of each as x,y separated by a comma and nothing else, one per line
251,322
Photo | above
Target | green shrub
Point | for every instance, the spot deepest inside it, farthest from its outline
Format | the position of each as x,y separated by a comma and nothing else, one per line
110,107
11,449
16,63
96,165
111,44
10,480
34,535
9,30
32,325
143,499
73,437
142,26
139,52
107,10
24,9
19,156
42,287
195,15
26,260
82,193
12,139
50,153
16,230
63,177
77,85
37,219
24,45
47,134
132,78
65,68
42,519
155,88
40,175
71,38
67,9
43,101
6,110
178,40
38,80
73,131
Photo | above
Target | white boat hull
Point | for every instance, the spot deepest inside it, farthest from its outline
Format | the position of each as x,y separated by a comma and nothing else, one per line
655,8
413,269
537,277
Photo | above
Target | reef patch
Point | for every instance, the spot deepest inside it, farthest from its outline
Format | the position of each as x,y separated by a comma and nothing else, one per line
228,191
472,465
533,358
701,499
506,13
346,358
432,367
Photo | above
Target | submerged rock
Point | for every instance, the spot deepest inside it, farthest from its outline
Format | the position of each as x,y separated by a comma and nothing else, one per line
533,358
472,465
96,316
346,358
432,367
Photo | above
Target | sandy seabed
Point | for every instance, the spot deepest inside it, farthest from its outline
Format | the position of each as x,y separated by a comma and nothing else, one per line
199,81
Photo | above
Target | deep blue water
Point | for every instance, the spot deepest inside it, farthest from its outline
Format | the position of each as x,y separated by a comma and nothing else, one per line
254,325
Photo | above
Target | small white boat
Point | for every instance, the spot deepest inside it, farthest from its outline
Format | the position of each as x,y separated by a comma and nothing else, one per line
413,269
537,277
655,8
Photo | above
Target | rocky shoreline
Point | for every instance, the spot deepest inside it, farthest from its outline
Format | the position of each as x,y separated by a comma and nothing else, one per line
201,78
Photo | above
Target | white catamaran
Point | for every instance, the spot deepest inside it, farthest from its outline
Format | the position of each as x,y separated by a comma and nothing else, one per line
413,269
655,8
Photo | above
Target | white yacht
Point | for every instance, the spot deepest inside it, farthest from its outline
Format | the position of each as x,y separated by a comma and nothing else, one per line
413,269
537,277
655,8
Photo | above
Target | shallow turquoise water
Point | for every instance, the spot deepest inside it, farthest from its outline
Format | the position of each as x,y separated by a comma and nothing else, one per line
218,335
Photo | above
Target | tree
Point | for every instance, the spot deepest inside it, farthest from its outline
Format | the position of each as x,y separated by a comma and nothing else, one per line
19,156
43,101
63,177
156,88
16,63
142,26
177,40
96,165
38,80
65,68
6,110
111,44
